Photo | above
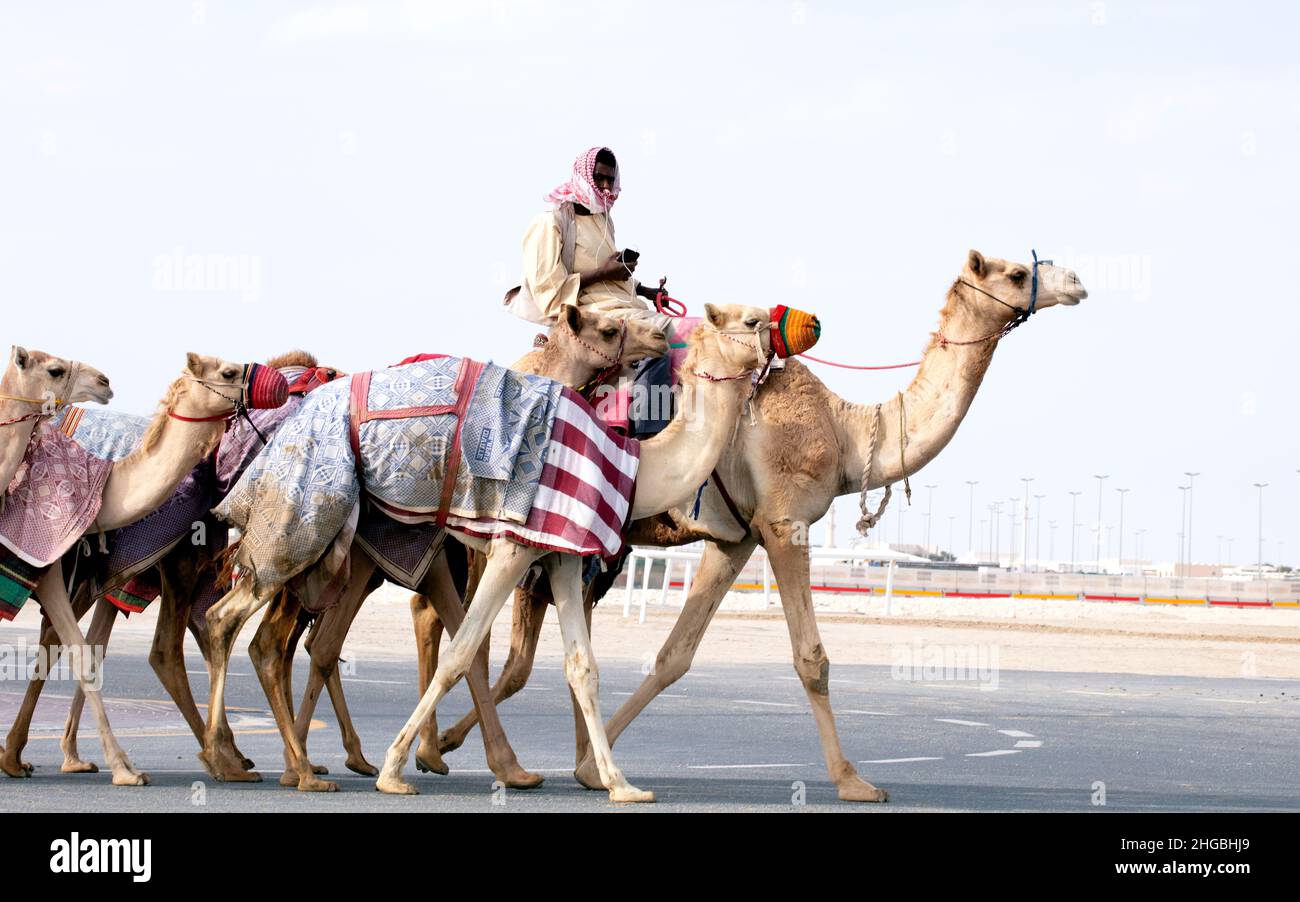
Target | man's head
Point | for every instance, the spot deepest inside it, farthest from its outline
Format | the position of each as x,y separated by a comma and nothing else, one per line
594,184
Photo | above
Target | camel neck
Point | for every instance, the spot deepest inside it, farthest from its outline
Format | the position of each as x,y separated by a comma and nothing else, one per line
170,449
555,360
932,406
677,461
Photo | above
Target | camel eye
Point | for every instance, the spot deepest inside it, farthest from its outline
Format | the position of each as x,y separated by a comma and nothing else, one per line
609,333
1018,277
56,372
229,373
752,322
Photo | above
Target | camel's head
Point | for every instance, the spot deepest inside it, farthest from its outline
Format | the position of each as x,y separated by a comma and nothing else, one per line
43,378
601,341
212,386
1013,282
733,338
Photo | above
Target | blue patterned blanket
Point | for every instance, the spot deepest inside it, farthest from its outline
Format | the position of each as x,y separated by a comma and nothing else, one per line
298,495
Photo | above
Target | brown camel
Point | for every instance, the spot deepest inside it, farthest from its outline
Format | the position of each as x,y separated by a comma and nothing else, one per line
584,346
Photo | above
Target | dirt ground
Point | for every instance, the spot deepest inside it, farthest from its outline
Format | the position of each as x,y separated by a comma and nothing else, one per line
1063,636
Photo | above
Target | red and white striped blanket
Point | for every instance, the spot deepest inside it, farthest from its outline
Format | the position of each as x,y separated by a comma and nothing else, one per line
586,491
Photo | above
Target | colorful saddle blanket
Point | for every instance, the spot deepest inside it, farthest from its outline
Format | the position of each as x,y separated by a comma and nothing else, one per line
55,502
109,434
485,449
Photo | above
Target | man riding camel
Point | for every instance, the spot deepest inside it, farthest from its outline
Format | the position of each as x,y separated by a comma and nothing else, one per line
570,257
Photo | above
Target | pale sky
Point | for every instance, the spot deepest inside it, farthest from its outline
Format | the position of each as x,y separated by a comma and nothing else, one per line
375,166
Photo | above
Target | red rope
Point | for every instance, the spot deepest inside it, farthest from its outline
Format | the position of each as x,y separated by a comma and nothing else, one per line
845,366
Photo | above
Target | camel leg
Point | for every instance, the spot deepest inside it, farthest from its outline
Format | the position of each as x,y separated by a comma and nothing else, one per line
325,646
790,568
167,657
54,601
225,620
10,761
580,670
506,564
356,760
428,636
501,757
101,629
719,567
581,738
268,651
527,615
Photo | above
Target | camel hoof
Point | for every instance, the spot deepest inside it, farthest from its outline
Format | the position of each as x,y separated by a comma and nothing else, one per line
18,771
311,784
289,778
246,763
319,769
131,778
365,768
861,791
432,765
588,775
77,766
395,786
518,778
630,794
449,742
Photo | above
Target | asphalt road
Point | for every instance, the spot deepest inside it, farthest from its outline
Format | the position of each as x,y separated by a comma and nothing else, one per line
728,738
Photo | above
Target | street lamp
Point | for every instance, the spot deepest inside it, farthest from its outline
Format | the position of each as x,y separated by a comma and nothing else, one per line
1191,481
1260,534
1024,557
1101,480
1038,532
929,514
1121,528
970,528
1182,535
1074,525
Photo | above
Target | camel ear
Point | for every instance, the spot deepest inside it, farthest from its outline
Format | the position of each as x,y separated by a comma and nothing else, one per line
194,363
19,357
573,318
976,262
714,315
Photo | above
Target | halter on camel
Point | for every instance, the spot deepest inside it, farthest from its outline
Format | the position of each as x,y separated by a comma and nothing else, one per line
49,405
260,387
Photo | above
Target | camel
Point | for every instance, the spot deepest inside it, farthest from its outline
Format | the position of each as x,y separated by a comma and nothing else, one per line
187,428
716,377
580,350
804,447
185,571
34,386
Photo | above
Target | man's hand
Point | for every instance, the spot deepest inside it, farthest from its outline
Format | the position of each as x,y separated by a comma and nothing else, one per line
612,270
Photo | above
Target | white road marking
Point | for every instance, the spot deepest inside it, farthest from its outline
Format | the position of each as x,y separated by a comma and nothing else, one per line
229,673
1110,694
992,754
1029,744
1230,701
385,682
1017,734
898,760
873,713
961,723
745,701
740,766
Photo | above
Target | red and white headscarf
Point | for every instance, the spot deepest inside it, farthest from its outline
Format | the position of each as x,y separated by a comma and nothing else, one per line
581,188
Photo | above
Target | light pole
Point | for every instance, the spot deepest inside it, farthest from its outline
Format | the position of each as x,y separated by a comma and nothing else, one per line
1101,480
1074,525
929,513
1260,534
1038,532
1191,481
1011,535
995,521
1182,534
1121,528
970,528
1024,555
